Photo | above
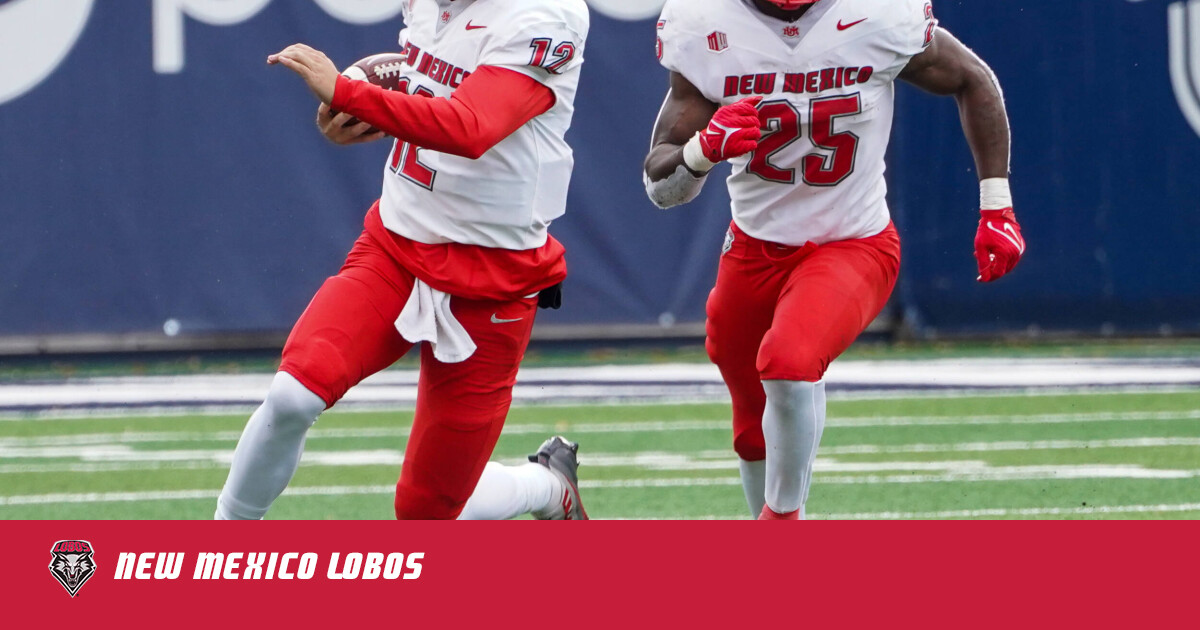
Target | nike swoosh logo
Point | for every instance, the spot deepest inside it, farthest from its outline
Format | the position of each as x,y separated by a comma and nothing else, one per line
472,27
725,137
497,320
1016,240
842,27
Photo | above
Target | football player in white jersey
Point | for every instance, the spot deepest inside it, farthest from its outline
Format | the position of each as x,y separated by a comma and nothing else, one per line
798,96
455,257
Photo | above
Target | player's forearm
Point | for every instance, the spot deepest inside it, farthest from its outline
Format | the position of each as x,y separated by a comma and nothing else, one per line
663,160
483,112
675,174
434,124
985,122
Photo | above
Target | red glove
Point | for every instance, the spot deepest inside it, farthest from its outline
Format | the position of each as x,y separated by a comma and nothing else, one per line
733,131
998,244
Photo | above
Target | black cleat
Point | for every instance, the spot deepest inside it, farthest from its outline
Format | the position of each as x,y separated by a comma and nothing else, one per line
560,456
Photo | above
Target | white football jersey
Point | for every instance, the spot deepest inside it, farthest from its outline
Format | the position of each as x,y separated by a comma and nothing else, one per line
508,197
827,87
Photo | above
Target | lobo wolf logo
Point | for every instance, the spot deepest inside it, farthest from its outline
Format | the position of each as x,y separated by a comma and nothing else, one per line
1184,19
71,564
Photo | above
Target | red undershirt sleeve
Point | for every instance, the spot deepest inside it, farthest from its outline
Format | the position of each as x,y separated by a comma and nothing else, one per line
489,106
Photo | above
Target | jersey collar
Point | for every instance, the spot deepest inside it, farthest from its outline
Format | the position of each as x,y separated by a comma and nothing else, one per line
448,10
791,34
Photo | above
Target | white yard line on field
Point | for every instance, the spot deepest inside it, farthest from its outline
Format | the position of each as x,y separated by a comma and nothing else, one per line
970,473
101,467
954,472
1165,508
92,455
93,451
402,431
50,413
177,495
616,383
220,460
1000,512
1054,418
1012,445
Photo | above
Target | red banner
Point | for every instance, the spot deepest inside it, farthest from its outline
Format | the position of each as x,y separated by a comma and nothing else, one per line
171,574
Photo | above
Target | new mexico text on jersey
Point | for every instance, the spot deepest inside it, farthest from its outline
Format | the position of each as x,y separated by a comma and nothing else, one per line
508,197
827,87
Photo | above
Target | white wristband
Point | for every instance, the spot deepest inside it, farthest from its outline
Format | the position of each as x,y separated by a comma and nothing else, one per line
693,156
995,194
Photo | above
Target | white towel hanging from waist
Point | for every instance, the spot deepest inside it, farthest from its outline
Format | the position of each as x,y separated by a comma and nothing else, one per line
427,317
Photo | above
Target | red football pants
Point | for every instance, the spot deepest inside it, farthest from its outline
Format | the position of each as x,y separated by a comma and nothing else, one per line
785,313
348,333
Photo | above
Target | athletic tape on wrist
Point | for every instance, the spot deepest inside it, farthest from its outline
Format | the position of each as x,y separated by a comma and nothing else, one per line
693,156
995,194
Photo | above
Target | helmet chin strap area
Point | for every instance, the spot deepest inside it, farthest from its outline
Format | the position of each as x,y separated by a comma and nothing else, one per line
791,5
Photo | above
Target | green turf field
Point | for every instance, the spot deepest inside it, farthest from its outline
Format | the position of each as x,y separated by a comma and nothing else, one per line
1060,456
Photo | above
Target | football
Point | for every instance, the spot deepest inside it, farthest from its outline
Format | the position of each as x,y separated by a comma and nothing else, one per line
383,70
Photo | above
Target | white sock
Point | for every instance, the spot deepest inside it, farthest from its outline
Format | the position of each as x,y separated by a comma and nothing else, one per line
269,451
792,426
754,480
505,492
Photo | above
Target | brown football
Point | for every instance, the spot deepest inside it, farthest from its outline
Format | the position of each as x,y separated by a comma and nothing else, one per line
383,70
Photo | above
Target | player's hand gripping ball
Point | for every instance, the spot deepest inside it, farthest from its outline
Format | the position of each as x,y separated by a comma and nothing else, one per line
733,131
383,70
998,244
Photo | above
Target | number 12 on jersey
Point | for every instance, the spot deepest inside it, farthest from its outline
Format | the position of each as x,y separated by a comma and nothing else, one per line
552,63
826,168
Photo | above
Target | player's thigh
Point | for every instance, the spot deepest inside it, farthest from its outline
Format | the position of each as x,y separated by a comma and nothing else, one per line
484,382
828,300
740,309
347,332
461,409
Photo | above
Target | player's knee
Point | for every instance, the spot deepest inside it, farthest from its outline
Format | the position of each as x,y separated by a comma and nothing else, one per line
750,445
319,364
717,344
787,360
414,503
712,336
710,347
291,403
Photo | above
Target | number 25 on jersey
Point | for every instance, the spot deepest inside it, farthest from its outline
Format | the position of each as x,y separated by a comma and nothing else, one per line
828,167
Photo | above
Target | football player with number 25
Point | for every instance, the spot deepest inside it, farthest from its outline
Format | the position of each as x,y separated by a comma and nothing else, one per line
455,256
798,96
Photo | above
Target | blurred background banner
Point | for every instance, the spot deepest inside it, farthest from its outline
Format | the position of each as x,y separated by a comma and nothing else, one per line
156,174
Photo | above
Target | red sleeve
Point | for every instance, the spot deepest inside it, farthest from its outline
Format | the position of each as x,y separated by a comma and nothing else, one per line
489,106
